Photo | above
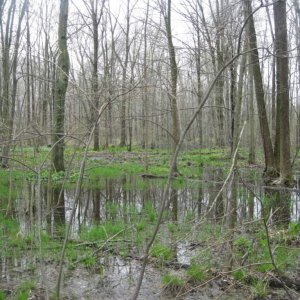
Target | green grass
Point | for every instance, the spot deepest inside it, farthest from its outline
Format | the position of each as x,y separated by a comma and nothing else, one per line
161,251
172,282
102,232
190,162
259,289
24,289
242,245
239,275
89,261
135,223
106,171
196,273
150,212
2,295
140,226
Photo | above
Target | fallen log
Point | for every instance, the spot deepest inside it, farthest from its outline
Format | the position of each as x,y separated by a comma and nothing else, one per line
151,176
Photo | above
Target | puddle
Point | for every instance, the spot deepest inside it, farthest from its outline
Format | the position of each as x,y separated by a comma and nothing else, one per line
116,281
125,199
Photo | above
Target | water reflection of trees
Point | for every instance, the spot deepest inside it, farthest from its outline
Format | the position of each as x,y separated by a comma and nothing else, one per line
54,212
118,196
117,199
277,206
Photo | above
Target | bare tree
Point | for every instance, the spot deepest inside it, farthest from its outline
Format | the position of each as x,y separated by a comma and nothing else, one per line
96,15
270,168
9,72
297,25
124,65
60,89
166,11
145,105
282,91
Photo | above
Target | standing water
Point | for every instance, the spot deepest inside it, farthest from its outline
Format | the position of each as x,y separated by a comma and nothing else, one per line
114,221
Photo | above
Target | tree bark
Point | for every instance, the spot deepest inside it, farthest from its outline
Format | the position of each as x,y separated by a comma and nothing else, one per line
251,158
145,90
282,95
9,75
297,14
60,89
124,74
95,84
270,169
238,103
174,76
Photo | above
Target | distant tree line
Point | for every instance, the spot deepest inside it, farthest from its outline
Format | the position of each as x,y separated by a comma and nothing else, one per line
150,63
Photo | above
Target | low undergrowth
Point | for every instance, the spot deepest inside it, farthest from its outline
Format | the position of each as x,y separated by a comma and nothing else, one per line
206,250
117,161
193,247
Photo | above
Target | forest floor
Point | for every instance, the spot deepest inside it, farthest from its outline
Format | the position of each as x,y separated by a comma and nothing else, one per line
195,255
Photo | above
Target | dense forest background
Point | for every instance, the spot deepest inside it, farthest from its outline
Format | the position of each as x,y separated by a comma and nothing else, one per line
147,66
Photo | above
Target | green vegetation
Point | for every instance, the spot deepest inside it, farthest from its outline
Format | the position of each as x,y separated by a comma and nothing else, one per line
161,252
151,213
24,289
116,161
172,282
124,226
259,289
196,273
102,232
2,295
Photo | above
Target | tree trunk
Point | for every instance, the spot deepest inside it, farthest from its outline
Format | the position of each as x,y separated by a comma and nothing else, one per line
220,52
251,158
9,74
282,74
145,90
297,14
96,16
95,84
238,104
124,74
60,89
174,76
199,84
270,169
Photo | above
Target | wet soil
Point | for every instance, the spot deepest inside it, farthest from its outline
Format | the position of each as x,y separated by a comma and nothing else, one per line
116,279
113,277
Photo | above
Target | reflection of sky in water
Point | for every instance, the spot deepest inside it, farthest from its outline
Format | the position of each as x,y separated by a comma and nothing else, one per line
117,201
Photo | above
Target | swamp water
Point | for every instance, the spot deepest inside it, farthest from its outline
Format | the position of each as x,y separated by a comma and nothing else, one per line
113,222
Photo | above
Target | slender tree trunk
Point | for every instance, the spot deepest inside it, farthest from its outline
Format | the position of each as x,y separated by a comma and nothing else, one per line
28,58
297,14
233,103
6,37
174,77
124,74
199,84
251,158
95,84
273,90
282,77
46,90
96,18
60,89
238,104
145,91
9,73
220,52
270,168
